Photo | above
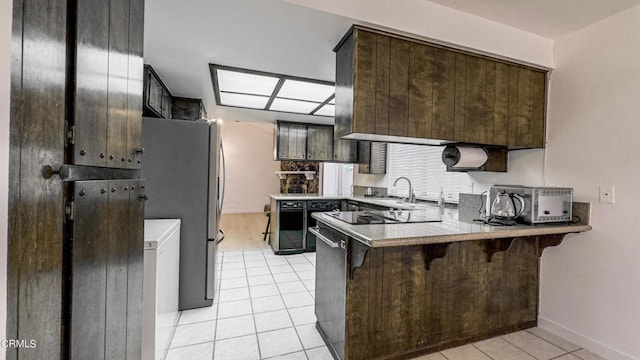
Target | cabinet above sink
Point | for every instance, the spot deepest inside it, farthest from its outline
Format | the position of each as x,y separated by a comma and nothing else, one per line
391,88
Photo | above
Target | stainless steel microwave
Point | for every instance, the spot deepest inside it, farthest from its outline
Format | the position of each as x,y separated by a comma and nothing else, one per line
541,204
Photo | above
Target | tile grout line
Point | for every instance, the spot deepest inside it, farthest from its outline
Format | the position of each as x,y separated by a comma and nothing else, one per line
253,314
477,348
526,352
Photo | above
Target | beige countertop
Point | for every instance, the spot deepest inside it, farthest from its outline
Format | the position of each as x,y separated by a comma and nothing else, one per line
449,230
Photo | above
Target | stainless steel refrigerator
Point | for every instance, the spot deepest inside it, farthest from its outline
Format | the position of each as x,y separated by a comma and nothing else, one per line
183,164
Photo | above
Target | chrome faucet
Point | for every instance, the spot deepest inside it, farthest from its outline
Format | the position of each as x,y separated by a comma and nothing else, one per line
412,196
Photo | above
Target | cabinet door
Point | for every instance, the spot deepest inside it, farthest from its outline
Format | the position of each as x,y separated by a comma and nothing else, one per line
166,105
345,150
372,157
527,108
292,141
319,142
155,94
102,111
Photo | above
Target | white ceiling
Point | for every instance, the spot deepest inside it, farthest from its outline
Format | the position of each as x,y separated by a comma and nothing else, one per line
549,18
183,37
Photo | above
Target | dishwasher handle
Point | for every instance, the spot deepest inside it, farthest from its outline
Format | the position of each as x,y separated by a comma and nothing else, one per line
332,244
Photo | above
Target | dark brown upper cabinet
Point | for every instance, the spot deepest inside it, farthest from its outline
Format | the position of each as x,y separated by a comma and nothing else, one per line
301,141
291,141
396,89
345,151
157,97
319,142
187,109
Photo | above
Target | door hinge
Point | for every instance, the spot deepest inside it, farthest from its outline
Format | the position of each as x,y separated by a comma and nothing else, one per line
68,209
71,135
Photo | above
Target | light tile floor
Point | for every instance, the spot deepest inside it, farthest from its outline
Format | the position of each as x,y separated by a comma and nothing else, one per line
264,310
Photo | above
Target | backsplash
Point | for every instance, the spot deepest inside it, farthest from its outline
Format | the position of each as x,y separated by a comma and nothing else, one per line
299,183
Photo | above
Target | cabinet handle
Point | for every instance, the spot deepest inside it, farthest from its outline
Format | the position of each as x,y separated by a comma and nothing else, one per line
326,240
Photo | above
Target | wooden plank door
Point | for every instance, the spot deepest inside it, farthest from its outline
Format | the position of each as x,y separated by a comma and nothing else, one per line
106,267
319,142
36,211
107,99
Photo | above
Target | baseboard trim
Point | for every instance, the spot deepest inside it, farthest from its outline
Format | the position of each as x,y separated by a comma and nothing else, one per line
583,341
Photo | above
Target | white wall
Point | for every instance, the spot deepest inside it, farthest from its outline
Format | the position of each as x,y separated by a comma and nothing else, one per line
250,167
590,289
445,25
5,85
525,168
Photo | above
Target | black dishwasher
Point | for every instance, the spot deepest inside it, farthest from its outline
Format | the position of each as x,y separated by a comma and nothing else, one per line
292,227
317,206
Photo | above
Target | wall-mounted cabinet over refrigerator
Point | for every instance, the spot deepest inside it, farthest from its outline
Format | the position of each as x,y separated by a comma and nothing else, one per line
184,167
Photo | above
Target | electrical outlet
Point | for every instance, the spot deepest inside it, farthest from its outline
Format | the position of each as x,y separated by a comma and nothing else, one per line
606,195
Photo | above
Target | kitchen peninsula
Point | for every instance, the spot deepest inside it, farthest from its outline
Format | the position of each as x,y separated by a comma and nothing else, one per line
395,291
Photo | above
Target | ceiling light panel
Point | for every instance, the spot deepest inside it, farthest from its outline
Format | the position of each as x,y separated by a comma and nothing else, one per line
240,82
304,90
327,110
242,100
295,106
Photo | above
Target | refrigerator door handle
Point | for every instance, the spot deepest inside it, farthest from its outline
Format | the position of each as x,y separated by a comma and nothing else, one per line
211,268
220,236
224,176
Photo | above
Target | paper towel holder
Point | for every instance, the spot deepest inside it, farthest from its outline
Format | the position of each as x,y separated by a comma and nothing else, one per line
495,161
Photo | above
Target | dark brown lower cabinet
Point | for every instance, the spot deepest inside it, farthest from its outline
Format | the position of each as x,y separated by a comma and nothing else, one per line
400,302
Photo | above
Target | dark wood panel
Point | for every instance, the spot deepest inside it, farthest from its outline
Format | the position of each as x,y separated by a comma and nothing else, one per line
15,129
475,124
537,133
187,108
398,87
135,269
365,58
135,82
292,141
344,116
513,283
490,128
421,83
469,295
117,90
91,233
525,107
319,142
117,269
404,301
460,100
92,83
501,104
382,74
34,283
512,109
444,94
345,150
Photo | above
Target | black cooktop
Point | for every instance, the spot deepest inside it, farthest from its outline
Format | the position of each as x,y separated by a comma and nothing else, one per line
386,217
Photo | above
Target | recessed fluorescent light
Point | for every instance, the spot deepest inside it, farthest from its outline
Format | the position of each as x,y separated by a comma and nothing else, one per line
242,100
305,90
274,92
295,106
240,82
327,110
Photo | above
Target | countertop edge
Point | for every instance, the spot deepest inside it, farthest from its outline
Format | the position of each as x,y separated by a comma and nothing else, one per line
531,230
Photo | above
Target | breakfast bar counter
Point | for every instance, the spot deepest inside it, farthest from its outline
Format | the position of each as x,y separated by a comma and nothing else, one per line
397,291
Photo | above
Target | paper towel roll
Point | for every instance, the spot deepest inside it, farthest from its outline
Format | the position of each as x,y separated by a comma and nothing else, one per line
464,157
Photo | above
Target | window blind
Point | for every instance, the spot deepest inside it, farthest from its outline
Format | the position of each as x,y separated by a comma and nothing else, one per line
424,167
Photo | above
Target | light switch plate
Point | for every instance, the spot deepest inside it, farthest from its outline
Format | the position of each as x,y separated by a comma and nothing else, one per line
607,194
